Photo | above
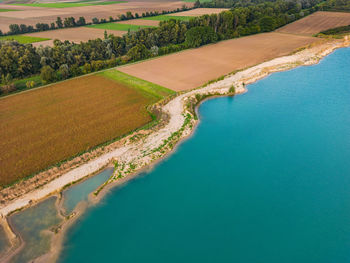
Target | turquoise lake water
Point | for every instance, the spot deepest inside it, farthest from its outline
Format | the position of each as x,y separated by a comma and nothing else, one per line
265,178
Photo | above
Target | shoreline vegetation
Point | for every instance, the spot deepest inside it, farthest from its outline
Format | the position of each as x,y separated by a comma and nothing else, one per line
144,148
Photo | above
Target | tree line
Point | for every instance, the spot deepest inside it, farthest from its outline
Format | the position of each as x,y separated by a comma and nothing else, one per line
303,4
335,5
66,59
69,22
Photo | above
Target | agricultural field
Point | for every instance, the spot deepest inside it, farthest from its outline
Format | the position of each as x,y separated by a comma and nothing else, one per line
200,12
118,26
316,23
77,35
167,17
70,4
24,39
31,15
192,68
44,126
148,89
140,22
183,16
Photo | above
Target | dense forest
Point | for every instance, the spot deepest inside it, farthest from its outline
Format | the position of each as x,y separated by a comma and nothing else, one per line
65,59
304,4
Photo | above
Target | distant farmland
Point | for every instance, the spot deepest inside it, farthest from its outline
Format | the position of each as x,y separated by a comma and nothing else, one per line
31,15
316,23
167,17
118,27
201,11
70,4
76,34
45,126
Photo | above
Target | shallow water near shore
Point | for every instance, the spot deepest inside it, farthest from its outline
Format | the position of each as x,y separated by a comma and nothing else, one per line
77,193
33,224
265,178
4,243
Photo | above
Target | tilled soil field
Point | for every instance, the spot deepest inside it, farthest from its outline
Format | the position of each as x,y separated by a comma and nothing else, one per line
201,11
192,68
316,23
32,15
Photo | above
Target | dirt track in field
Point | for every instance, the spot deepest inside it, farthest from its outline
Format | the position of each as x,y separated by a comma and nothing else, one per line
32,15
316,23
192,68
201,11
76,34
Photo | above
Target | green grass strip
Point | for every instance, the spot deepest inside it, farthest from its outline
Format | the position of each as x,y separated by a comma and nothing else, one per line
168,17
146,87
8,10
72,4
116,26
21,83
23,39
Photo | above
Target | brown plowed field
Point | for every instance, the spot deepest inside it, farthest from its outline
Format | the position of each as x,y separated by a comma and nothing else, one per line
140,22
192,68
76,34
200,11
316,23
41,127
33,15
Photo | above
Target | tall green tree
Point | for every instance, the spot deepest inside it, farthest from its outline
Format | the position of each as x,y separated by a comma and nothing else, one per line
59,22
47,75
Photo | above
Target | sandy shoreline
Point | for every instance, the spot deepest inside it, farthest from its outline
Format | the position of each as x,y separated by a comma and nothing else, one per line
145,148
